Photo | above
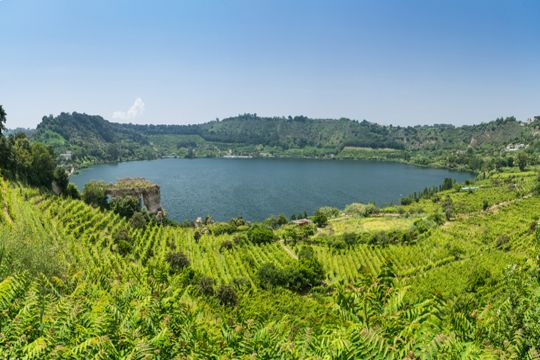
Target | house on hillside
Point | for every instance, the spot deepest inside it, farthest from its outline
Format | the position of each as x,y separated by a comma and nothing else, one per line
515,147
67,156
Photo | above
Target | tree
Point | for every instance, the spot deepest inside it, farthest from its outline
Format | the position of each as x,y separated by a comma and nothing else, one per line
320,219
522,161
3,116
177,261
42,167
126,206
260,235
138,220
94,194
72,191
227,296
270,276
61,179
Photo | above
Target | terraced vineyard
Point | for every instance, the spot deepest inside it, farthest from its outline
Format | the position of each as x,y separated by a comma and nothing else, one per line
66,291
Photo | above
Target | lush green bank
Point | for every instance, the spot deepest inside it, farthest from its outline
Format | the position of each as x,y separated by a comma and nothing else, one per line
496,144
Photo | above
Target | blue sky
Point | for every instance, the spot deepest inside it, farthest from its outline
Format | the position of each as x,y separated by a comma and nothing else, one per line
388,61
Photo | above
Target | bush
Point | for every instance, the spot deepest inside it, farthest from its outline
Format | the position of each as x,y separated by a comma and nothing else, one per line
123,241
138,220
126,206
485,205
72,191
320,219
260,235
227,296
227,245
329,212
276,221
349,238
358,209
406,200
270,276
222,228
177,261
205,285
304,274
94,194
306,252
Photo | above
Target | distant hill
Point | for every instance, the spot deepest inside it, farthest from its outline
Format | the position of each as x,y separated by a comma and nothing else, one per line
96,139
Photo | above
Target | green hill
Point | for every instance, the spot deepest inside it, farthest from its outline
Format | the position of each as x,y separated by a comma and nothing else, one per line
93,139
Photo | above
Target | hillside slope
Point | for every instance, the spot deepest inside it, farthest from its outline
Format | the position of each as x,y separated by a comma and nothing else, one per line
69,290
95,139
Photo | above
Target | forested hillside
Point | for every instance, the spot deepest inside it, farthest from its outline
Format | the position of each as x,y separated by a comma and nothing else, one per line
93,139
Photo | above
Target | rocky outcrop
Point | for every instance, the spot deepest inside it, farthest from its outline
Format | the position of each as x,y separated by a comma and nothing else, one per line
149,192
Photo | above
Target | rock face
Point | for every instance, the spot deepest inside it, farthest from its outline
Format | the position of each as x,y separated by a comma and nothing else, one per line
137,187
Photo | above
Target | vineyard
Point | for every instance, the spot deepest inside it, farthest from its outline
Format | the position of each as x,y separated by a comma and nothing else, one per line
68,290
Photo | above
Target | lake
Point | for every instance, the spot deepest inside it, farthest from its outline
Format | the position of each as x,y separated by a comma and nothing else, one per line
258,188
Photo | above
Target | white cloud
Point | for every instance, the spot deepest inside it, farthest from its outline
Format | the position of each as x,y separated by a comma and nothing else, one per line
135,110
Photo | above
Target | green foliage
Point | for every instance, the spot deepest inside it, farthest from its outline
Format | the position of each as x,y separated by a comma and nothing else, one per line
320,219
358,209
126,206
329,212
177,261
260,234
72,191
276,221
227,295
94,194
61,179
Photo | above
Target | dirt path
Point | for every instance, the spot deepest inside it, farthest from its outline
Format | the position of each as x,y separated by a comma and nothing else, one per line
288,250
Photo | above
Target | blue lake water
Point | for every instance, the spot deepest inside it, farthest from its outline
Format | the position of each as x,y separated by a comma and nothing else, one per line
257,188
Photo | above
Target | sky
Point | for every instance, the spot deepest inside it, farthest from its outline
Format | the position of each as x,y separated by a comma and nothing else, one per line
190,61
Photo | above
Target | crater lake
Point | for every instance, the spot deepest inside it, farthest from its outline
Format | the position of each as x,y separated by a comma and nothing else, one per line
258,188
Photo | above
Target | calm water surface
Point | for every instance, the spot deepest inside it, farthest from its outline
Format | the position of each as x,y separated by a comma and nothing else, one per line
257,188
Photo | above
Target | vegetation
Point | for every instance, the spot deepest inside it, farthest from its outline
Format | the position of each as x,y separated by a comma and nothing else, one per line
451,274
504,142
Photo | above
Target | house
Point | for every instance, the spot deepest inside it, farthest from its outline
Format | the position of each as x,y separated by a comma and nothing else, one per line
515,147
66,156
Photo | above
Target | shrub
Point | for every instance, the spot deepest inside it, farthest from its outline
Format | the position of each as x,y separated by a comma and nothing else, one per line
227,296
306,252
329,212
358,209
72,191
177,261
270,276
276,221
320,219
485,205
126,206
94,194
138,220
260,235
205,285
227,245
406,200
304,274
123,241
222,228
349,238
